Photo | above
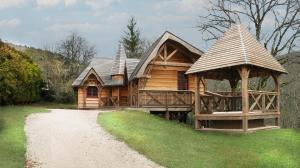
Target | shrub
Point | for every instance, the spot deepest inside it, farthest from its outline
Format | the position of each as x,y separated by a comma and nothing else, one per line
20,78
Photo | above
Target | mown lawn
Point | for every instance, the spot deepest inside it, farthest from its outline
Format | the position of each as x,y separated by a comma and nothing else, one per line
176,145
12,135
55,105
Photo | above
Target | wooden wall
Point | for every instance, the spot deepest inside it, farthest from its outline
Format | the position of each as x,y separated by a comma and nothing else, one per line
124,96
91,102
80,97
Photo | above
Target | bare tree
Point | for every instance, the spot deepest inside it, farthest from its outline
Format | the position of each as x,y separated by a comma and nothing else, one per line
276,23
76,53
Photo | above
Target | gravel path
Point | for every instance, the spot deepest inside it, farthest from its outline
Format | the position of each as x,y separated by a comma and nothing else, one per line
73,139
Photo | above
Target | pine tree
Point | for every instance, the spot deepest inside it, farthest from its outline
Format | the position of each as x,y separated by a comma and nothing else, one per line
132,41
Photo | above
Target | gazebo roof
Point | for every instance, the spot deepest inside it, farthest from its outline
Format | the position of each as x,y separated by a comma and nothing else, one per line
236,47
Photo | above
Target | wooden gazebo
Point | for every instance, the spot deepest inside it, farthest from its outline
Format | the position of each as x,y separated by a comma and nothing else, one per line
236,57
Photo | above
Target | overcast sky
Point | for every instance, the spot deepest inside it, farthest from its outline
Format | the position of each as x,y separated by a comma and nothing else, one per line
41,23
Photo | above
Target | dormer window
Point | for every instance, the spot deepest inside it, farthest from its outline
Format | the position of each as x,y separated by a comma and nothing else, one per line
92,91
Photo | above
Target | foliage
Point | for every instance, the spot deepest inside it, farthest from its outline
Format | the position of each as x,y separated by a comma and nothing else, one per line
20,78
56,83
12,136
132,41
175,145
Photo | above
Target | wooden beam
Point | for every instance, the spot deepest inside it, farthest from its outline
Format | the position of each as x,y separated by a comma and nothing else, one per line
165,51
84,96
162,58
244,74
197,100
118,96
276,79
177,64
99,95
172,54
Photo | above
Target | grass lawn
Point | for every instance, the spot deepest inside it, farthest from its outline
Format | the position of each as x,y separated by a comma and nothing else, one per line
55,105
172,144
12,135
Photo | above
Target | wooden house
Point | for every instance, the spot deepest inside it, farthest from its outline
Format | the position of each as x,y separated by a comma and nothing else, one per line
171,78
104,82
157,81
237,57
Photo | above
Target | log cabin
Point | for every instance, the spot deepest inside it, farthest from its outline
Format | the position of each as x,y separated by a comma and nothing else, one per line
157,81
104,82
171,78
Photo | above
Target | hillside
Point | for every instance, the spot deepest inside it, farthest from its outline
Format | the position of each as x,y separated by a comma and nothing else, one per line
290,91
56,86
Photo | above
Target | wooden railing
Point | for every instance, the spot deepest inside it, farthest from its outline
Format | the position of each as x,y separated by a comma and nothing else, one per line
165,98
113,100
263,101
259,101
220,102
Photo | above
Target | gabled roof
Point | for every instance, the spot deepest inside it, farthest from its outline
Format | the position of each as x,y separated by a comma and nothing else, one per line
153,49
236,47
119,62
102,67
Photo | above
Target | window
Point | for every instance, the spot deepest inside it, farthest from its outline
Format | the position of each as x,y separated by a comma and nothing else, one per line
182,81
92,91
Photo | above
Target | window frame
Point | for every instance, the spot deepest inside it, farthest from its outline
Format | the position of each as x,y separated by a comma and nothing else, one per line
92,92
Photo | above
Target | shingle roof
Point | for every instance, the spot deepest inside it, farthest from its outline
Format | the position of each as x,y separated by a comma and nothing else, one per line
153,49
119,62
102,67
236,47
131,64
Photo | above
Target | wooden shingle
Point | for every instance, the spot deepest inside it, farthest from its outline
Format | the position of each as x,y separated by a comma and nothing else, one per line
236,47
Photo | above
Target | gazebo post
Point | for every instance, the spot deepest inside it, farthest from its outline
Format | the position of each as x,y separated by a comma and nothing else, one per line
233,84
244,73
197,100
277,90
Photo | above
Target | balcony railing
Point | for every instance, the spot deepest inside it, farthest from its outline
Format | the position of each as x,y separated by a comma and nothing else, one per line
165,98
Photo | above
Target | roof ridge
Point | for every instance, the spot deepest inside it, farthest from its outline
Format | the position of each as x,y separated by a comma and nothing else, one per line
242,44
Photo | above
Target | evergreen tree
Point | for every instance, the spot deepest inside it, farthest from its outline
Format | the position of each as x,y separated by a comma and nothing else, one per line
132,41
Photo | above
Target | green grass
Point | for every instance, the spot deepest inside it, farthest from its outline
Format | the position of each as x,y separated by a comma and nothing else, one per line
12,135
172,144
55,105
